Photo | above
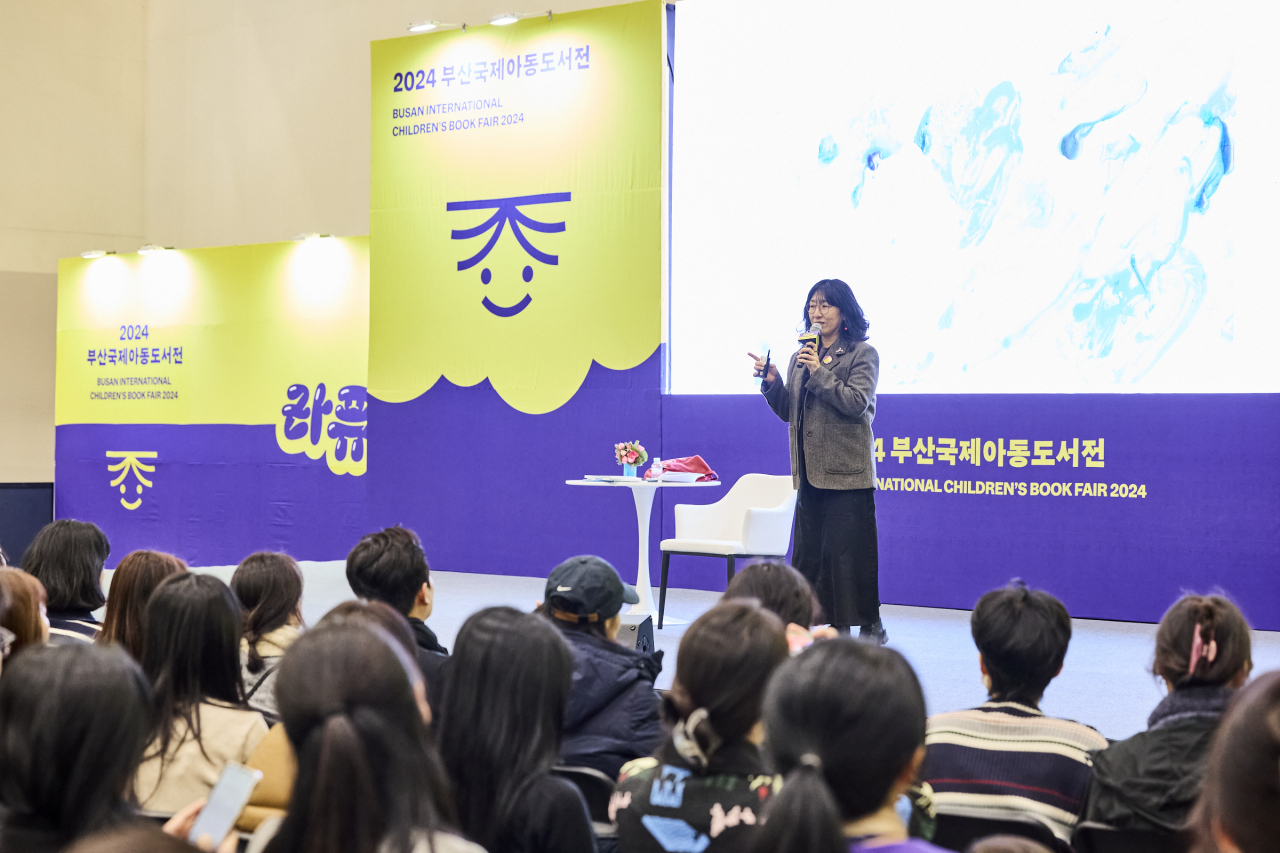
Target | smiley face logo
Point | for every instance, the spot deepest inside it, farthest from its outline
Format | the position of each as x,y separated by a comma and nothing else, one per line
507,210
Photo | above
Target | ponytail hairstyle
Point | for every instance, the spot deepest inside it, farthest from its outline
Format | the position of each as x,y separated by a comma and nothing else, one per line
368,777
1241,794
134,580
854,324
843,720
723,665
269,587
506,688
779,588
1203,640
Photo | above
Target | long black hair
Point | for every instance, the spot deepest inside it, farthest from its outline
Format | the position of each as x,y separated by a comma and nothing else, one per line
191,652
368,777
505,693
67,557
268,585
839,295
74,729
843,720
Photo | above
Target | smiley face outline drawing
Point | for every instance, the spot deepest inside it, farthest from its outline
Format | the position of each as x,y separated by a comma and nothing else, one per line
508,210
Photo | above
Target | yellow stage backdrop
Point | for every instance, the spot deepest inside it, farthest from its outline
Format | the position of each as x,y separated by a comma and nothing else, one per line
275,333
516,208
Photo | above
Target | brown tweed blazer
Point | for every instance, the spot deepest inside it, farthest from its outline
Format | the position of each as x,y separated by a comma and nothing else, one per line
839,402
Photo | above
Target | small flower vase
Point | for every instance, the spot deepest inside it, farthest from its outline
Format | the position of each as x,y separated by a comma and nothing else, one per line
628,470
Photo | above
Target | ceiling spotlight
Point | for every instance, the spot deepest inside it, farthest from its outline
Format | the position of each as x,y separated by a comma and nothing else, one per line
151,249
298,238
423,26
503,20
95,253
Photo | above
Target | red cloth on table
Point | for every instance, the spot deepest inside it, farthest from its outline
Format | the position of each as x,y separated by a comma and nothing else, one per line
686,465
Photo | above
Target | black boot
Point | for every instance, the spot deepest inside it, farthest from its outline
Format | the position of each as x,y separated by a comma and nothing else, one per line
875,632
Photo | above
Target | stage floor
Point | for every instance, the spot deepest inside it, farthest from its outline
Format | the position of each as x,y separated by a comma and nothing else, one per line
1105,681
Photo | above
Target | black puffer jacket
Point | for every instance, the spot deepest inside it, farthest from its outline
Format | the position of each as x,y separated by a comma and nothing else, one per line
1150,781
612,715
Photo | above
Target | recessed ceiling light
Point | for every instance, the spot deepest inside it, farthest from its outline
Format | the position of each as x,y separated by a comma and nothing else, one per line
151,249
503,20
423,26
95,253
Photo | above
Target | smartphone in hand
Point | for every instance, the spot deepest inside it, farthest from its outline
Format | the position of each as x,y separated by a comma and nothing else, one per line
226,801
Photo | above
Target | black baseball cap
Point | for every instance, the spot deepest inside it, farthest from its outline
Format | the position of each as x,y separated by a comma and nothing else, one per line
587,589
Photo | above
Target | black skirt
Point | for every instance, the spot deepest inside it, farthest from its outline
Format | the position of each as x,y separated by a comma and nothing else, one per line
836,549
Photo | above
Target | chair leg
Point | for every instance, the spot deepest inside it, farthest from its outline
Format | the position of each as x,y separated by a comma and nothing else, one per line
662,588
730,567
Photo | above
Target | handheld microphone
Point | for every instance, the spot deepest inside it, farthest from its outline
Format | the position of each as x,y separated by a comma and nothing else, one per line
810,337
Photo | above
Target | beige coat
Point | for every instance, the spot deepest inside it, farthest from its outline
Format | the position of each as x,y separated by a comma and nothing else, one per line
187,773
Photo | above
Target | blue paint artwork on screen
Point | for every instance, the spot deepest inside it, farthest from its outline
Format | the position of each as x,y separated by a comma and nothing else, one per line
507,210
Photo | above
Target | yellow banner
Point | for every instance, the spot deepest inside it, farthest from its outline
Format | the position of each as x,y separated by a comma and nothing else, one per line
516,207
275,333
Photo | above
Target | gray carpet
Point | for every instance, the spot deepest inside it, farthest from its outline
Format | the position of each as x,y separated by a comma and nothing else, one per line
1105,682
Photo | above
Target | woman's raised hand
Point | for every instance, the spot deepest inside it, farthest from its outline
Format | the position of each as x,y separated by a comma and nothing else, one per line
773,369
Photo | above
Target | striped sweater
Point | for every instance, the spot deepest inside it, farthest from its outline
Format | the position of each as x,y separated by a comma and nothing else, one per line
1008,761
72,626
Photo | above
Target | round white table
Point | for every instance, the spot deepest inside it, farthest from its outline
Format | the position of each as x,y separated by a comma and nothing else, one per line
643,491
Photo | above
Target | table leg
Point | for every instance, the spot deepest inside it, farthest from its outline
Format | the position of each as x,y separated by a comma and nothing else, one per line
644,509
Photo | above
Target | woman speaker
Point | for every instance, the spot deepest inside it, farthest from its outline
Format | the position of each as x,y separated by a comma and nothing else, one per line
829,401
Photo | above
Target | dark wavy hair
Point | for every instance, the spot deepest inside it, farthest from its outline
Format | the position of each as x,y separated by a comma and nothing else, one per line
268,585
506,688
843,721
75,726
839,295
67,557
191,653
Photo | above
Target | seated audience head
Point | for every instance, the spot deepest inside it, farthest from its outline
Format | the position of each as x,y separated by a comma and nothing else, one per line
67,557
26,618
1006,844
503,711
268,585
1022,636
585,594
779,588
74,728
368,777
376,613
391,566
133,838
1239,806
1203,640
133,581
724,662
845,721
192,651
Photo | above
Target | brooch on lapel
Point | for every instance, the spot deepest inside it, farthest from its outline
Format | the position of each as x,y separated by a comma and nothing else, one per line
827,360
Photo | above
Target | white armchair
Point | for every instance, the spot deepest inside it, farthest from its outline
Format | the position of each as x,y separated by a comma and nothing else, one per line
753,520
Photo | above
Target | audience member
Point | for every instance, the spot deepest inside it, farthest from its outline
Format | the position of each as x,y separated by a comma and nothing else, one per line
67,557
1239,806
500,723
390,566
73,724
707,784
613,711
377,613
1005,759
369,779
133,581
1151,781
786,593
27,618
199,721
269,587
845,722
7,638
136,838
1006,844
